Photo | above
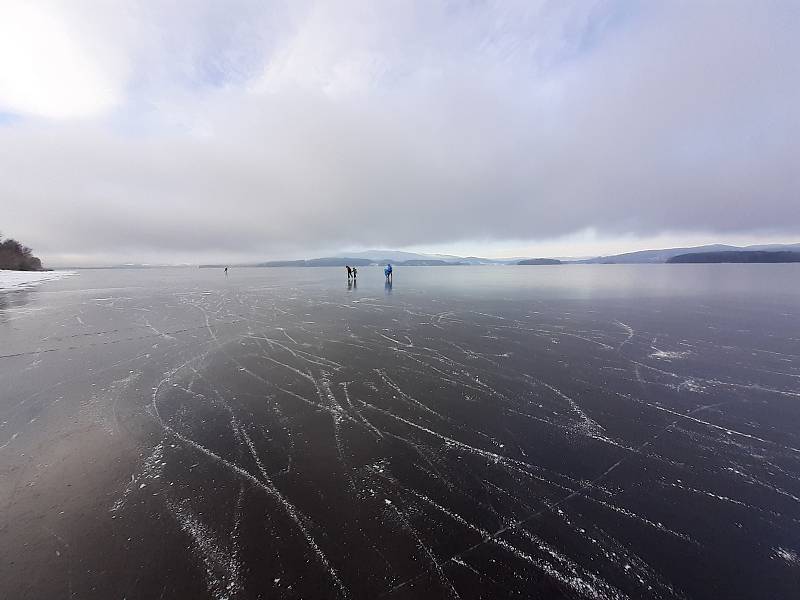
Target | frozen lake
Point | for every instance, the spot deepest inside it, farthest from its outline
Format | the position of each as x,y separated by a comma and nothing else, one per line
592,431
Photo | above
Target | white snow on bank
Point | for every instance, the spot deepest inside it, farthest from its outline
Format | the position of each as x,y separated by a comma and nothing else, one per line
15,280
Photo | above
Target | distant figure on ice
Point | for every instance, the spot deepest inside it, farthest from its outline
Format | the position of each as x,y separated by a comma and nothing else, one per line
349,272
355,272
388,272
226,271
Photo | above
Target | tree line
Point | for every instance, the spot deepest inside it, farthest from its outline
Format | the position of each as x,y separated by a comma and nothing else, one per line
16,257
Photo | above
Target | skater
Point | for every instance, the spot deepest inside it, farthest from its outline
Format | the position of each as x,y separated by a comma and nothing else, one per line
349,272
355,272
226,271
388,272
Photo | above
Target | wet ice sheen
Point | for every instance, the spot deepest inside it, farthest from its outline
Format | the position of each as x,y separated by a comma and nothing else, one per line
580,431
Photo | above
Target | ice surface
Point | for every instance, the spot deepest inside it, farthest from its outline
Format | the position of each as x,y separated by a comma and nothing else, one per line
598,432
22,279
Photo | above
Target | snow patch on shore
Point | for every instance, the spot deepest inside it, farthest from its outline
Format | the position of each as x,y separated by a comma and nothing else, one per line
15,280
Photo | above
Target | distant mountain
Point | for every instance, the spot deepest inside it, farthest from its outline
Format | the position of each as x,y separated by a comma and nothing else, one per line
427,263
738,256
654,256
331,261
775,247
475,260
400,257
662,256
540,261
396,256
277,263
337,261
412,259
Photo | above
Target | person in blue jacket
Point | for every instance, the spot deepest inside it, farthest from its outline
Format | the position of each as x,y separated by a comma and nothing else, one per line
388,272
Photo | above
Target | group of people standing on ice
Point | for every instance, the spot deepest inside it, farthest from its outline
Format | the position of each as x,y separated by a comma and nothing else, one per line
352,272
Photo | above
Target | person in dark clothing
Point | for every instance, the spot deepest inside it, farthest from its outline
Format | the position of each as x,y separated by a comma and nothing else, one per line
226,271
355,272
349,271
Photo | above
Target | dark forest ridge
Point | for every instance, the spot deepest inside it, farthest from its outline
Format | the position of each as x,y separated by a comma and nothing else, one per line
662,256
540,261
752,256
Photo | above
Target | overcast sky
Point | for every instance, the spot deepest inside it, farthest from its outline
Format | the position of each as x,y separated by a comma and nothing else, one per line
199,131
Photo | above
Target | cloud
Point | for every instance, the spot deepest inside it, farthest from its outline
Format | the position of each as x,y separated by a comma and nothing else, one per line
287,129
52,67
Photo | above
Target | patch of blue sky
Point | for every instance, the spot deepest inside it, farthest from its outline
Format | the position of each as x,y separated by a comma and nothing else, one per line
606,20
8,118
590,29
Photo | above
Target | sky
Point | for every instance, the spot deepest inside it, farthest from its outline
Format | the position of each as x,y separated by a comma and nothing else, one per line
197,131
